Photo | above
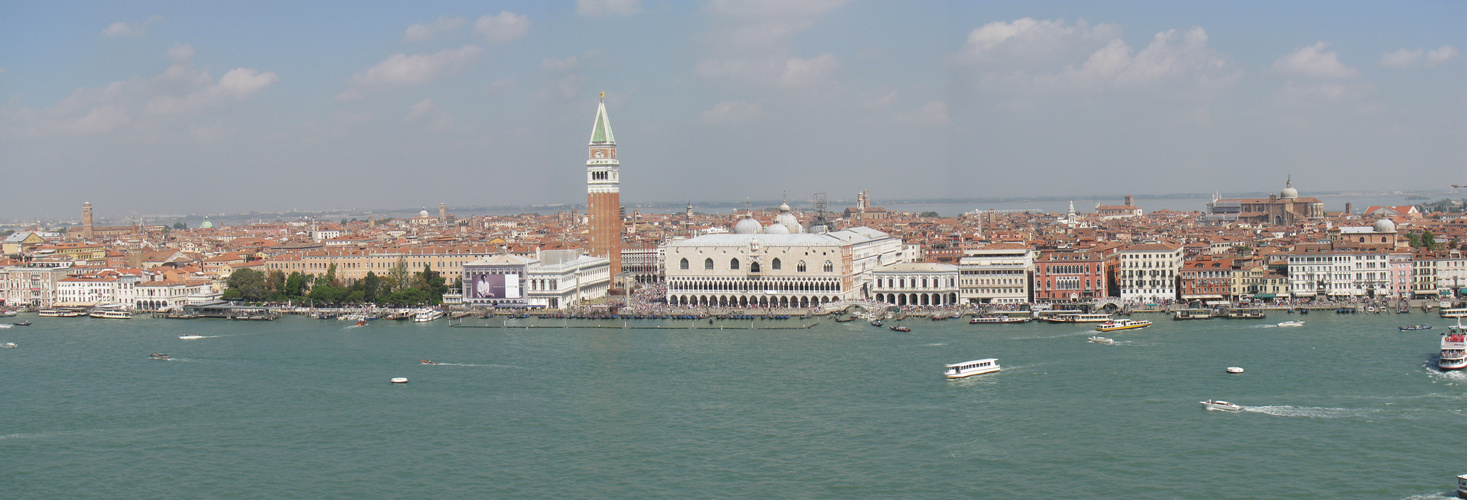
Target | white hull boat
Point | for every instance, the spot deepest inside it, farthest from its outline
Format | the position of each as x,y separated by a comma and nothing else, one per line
1289,324
1220,405
191,336
1454,352
1101,340
971,368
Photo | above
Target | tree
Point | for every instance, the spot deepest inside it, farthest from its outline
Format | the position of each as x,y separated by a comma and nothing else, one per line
180,225
431,282
928,214
249,283
294,286
1428,240
329,278
275,282
399,276
370,286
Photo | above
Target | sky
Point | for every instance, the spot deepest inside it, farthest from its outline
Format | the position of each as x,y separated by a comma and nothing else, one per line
227,107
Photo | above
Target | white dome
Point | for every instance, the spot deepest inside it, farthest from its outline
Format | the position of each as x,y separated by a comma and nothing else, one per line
788,220
1385,226
748,226
1289,193
776,228
424,213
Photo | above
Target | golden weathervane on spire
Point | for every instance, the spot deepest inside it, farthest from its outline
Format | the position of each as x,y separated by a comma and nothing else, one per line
603,95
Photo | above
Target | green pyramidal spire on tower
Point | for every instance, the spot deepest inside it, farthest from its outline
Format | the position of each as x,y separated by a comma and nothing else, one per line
601,131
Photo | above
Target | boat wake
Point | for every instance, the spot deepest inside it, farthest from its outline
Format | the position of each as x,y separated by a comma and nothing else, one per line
1309,411
1429,496
477,365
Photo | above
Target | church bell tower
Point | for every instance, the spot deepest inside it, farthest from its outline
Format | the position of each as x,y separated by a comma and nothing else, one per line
603,192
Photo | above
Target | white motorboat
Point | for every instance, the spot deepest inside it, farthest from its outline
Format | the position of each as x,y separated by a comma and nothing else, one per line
1095,339
1454,352
426,315
1235,369
1288,324
399,380
8,345
971,368
191,336
1220,405
160,356
1462,486
7,325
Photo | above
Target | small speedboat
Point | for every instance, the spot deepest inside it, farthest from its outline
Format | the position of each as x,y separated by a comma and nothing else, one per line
1288,324
2,325
876,322
1220,405
361,322
399,380
7,345
191,336
427,362
1235,369
23,323
900,328
1412,328
161,356
1096,339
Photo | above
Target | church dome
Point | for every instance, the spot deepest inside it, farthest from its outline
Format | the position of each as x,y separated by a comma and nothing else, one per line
788,220
1385,226
1289,192
206,224
424,213
748,226
776,228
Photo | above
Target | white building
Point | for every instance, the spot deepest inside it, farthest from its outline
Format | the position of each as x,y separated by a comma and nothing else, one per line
1344,273
916,284
1149,271
999,273
776,266
552,279
164,295
30,286
1451,272
100,289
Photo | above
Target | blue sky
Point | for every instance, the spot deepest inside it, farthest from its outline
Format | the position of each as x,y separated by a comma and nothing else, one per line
205,107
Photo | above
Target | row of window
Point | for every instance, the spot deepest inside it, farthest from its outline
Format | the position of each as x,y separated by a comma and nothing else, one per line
733,265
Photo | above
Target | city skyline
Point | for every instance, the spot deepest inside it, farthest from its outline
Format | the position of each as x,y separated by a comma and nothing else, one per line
209,109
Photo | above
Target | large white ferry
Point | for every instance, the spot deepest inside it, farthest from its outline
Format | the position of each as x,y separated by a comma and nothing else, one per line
1122,324
1078,318
426,315
111,314
971,368
1459,312
985,320
1454,352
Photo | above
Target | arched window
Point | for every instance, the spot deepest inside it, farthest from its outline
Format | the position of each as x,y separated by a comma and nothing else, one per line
800,266
753,267
829,268
774,265
733,264
683,265
708,264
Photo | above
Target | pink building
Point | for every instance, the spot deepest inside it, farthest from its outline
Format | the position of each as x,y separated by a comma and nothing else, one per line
1067,275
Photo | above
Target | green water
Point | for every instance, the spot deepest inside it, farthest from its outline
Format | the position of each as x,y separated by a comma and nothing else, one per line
1345,407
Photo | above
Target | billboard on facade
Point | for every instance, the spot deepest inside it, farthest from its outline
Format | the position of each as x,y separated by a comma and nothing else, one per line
497,286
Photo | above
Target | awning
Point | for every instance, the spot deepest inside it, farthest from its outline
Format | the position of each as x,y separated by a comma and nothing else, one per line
1265,296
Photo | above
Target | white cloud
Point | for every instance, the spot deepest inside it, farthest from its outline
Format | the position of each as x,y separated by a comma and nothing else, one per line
181,53
505,27
402,70
179,95
1406,58
425,112
1314,62
1326,92
608,7
808,73
730,112
552,64
121,29
932,113
423,32
1029,56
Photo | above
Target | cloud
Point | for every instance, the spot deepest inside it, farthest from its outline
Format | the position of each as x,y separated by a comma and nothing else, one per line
808,73
144,105
402,70
1323,93
181,53
730,112
765,25
426,112
121,29
608,7
505,27
552,64
424,32
1314,62
771,72
932,113
1406,58
1050,56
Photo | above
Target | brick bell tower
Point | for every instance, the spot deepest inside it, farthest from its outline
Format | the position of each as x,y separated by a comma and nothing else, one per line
603,191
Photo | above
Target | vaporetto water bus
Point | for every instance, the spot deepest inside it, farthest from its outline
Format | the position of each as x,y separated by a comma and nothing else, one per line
1078,318
1454,352
1456,312
971,368
1122,324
